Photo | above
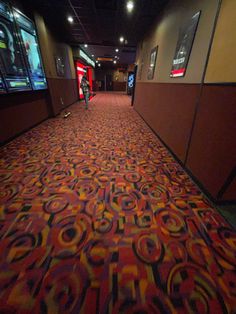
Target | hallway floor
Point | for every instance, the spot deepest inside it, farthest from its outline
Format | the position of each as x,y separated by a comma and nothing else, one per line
97,217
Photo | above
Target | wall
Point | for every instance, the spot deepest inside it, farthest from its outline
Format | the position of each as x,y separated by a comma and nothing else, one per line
119,79
195,120
63,90
212,153
21,111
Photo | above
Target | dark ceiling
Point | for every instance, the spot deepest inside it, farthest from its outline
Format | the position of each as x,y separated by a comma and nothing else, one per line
99,23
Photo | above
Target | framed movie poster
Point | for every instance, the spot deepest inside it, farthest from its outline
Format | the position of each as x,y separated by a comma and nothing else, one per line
152,63
184,46
60,66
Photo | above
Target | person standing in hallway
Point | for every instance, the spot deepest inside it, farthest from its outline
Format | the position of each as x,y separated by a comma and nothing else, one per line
85,88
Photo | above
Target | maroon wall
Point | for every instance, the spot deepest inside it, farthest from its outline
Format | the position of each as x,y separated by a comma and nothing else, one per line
119,86
230,192
211,154
65,89
22,110
168,109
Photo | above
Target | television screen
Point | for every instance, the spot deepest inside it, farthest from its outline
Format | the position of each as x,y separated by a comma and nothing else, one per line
2,86
12,66
31,51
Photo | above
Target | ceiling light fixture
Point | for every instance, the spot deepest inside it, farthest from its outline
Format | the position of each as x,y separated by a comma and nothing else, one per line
99,64
85,45
114,61
92,55
117,50
122,39
130,6
70,19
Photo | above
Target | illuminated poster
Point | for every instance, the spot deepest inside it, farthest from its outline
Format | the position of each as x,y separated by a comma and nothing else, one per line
152,63
81,70
31,50
12,66
184,46
130,83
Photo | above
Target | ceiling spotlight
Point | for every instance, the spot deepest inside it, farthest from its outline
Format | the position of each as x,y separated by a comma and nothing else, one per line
99,64
116,57
117,50
130,6
85,45
122,39
114,61
70,19
96,61
92,55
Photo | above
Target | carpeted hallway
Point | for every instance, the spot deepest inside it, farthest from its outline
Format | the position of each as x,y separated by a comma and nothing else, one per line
97,217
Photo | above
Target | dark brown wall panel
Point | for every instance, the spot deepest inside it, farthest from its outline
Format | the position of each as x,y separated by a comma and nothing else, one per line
65,89
119,86
19,112
230,193
169,110
212,154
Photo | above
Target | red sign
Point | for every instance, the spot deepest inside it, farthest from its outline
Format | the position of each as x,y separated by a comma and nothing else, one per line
82,70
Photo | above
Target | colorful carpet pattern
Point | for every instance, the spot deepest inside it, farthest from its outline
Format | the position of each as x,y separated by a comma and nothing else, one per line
97,217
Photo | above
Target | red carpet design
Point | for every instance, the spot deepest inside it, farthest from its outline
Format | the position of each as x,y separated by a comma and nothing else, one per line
96,217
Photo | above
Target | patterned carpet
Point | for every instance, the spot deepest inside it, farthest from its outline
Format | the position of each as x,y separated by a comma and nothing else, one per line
97,217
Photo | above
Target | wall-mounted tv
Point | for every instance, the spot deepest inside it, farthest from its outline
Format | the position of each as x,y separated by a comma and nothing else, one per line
20,61
12,66
2,87
28,37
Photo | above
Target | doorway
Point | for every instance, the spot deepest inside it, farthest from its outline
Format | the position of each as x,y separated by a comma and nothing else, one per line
109,83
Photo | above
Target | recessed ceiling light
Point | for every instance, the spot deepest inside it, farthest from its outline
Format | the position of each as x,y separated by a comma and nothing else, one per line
92,55
117,50
122,39
70,19
85,45
130,6
114,61
96,61
116,57
99,64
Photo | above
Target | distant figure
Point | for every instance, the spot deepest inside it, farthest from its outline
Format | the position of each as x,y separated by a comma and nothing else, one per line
85,88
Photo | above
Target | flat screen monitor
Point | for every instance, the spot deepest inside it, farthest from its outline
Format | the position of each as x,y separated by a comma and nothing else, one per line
12,66
2,87
28,36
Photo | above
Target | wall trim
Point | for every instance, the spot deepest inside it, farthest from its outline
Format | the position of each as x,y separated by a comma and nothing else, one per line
220,84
